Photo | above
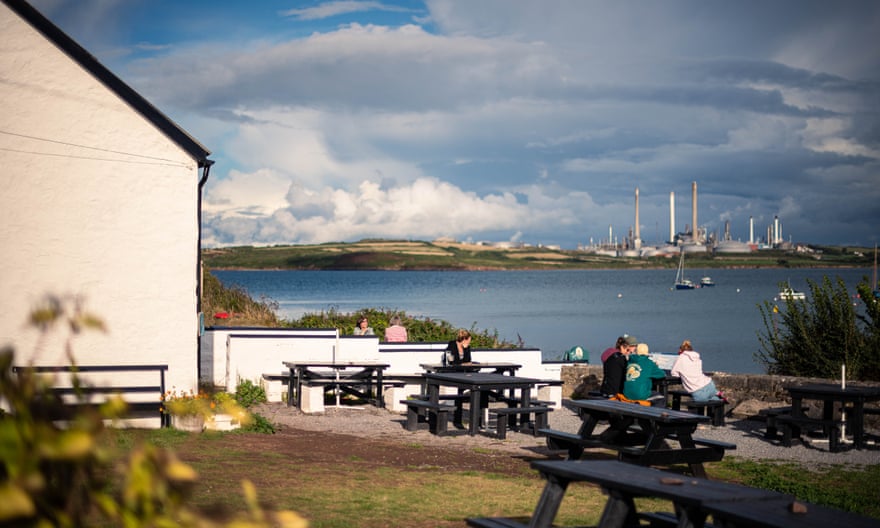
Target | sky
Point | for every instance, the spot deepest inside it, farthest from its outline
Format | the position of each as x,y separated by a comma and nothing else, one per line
511,120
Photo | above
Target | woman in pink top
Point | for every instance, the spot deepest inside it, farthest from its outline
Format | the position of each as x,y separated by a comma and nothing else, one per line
395,332
689,367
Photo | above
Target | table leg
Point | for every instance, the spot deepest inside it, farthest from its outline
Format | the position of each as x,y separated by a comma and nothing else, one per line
475,412
858,424
548,504
697,469
620,511
291,381
380,401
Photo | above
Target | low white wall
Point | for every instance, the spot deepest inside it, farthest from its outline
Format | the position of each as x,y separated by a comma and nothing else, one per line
248,353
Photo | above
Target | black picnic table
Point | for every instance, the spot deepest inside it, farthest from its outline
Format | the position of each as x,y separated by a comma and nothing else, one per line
360,383
482,386
648,444
496,367
693,499
852,397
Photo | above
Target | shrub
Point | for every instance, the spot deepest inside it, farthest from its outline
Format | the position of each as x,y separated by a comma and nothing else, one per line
813,337
248,394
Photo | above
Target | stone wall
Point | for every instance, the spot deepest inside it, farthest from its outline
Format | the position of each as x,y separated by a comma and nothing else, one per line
748,393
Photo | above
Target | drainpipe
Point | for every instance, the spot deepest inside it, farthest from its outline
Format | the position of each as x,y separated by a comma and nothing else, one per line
205,165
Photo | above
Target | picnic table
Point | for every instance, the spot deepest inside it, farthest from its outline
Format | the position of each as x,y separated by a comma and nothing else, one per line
693,499
496,367
647,444
483,386
833,396
364,377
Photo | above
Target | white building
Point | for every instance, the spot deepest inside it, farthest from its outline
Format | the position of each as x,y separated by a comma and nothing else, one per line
100,201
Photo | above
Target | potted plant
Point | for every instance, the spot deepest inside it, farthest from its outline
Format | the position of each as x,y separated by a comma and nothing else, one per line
227,413
188,410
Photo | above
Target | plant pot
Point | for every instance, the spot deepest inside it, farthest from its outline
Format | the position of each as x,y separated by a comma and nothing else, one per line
222,422
191,423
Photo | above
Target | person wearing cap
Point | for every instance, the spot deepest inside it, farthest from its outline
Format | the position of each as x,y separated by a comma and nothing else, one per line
641,371
614,367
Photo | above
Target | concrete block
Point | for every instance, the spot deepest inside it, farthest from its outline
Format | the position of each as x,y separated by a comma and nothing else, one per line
551,393
312,400
275,390
392,397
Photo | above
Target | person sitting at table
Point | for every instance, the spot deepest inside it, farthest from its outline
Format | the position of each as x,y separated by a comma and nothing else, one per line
614,367
689,367
395,332
618,346
362,327
642,349
458,350
641,372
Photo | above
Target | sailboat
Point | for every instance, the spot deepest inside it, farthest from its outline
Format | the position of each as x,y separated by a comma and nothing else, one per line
682,283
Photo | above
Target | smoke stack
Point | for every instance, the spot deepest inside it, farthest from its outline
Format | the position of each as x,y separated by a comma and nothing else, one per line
637,241
694,204
672,216
775,230
751,230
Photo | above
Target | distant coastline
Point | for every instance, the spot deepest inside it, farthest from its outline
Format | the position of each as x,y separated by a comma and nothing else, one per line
392,255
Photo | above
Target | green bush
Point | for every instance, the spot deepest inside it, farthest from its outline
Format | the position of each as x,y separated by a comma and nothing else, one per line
248,394
418,329
815,336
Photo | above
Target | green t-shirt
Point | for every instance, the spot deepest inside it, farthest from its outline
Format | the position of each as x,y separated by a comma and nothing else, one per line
640,370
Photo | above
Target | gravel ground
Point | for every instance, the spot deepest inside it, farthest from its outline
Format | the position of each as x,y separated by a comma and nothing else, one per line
379,423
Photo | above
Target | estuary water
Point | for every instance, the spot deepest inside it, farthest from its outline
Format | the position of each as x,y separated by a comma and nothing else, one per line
555,310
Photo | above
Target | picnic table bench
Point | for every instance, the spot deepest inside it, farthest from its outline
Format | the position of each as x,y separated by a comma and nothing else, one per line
639,434
693,500
142,387
851,398
714,409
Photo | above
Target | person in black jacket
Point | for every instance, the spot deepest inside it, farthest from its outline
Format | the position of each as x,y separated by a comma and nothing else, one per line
614,368
458,350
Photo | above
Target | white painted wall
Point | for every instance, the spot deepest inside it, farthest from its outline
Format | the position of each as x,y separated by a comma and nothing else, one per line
97,204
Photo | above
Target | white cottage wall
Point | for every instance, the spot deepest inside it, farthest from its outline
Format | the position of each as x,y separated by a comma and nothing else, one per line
97,204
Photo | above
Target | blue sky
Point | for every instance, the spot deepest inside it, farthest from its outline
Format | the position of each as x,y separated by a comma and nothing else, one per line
511,120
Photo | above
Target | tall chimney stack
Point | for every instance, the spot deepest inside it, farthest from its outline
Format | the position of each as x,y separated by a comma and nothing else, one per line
672,216
775,230
751,230
694,229
637,240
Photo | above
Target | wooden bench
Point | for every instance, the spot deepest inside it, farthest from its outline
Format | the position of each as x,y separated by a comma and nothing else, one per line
436,414
573,443
663,520
770,415
714,409
495,522
79,395
794,426
502,415
683,455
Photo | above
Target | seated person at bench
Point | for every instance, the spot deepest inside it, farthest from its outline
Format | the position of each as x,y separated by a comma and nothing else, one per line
614,367
395,333
458,350
689,367
640,373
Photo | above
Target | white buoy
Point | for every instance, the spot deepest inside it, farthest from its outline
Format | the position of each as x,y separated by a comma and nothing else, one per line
619,295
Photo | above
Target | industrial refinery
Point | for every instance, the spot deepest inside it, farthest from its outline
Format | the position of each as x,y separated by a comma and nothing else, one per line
692,239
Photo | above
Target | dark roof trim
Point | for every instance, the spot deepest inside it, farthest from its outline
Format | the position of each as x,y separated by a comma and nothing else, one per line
114,83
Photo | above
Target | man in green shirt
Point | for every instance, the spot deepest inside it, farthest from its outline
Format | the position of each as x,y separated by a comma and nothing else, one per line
640,373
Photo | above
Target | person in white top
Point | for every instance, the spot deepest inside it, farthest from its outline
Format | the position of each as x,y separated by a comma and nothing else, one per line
689,367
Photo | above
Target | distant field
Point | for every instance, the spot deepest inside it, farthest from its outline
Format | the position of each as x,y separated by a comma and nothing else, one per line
418,255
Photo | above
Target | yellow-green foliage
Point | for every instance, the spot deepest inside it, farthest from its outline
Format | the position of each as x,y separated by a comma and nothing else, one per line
64,476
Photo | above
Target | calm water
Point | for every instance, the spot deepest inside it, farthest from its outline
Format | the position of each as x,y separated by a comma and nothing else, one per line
555,310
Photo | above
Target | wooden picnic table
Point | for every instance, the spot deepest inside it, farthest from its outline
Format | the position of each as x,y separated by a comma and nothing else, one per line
367,375
693,499
833,396
647,444
482,386
496,367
